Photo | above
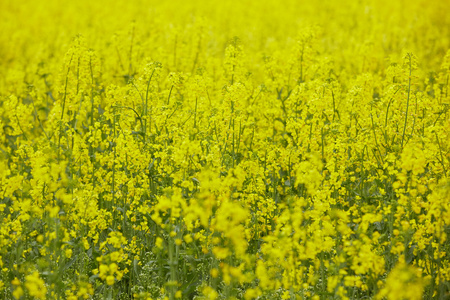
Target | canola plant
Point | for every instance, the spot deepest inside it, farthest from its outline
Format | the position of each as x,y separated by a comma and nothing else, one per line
224,149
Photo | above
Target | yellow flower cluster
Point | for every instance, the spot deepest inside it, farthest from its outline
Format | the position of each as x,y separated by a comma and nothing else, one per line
224,149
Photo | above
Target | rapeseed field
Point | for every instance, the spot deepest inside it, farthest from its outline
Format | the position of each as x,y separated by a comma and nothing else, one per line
225,149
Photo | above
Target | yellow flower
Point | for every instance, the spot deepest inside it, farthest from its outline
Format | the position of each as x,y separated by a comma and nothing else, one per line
220,252
159,242
15,281
214,272
40,238
209,293
403,282
188,238
110,280
36,286
18,292
68,253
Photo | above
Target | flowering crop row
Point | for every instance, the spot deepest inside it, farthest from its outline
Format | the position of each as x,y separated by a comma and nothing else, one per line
224,150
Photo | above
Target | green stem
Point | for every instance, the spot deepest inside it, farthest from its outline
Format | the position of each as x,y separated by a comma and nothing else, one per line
407,99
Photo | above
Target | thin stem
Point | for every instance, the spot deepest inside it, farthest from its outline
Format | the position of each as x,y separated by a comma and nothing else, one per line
63,107
170,93
407,99
442,157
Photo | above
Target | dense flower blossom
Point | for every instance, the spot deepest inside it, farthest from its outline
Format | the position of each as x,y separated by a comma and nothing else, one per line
224,149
